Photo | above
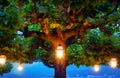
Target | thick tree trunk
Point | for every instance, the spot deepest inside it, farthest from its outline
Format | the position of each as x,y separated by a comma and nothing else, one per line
60,68
60,63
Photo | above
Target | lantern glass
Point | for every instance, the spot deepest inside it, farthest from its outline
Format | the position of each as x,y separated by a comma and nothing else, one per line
2,59
59,52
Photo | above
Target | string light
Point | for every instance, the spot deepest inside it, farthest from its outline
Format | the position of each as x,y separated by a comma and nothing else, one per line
2,59
20,67
96,68
113,62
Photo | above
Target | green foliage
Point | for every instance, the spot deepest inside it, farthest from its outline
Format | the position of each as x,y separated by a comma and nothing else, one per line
42,54
28,7
96,49
96,40
110,29
47,43
58,14
10,21
78,56
57,11
18,50
106,6
5,68
73,54
93,37
13,17
34,27
22,50
116,40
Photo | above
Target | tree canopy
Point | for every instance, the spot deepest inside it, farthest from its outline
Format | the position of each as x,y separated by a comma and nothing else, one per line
90,29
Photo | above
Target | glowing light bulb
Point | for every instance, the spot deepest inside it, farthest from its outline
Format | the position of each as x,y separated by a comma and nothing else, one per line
20,67
96,68
2,59
113,62
59,52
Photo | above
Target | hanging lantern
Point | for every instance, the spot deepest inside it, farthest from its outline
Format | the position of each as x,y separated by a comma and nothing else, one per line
113,62
96,68
20,67
59,52
2,59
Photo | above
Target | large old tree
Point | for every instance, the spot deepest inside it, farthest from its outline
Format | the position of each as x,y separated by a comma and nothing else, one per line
88,30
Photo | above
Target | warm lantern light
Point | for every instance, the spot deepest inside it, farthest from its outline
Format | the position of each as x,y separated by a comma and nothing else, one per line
20,67
96,68
113,62
59,52
2,59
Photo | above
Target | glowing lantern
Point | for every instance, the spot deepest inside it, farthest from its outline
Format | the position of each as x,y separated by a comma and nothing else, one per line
113,62
2,59
96,68
20,67
59,52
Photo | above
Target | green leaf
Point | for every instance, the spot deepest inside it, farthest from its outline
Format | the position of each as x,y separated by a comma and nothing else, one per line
42,9
34,27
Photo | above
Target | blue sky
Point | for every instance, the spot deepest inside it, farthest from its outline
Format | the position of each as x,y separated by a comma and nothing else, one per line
38,70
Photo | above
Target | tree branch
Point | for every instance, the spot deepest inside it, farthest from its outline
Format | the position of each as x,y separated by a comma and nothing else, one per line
20,2
69,33
47,64
80,30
